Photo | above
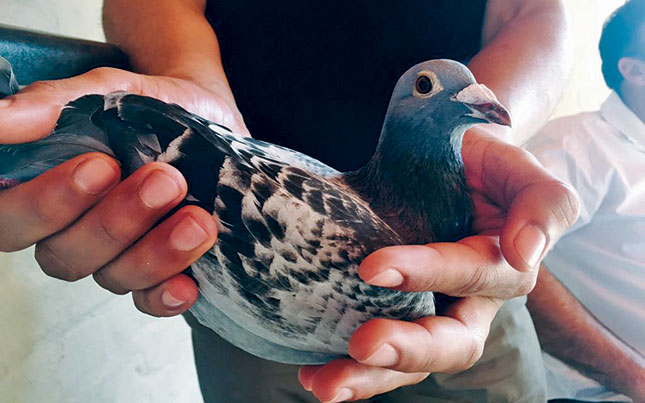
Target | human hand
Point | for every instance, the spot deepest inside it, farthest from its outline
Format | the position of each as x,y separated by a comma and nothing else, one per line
637,392
519,212
84,221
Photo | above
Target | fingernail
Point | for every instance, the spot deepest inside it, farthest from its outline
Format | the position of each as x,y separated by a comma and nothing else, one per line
343,395
94,176
158,189
385,356
187,235
387,278
530,244
170,301
5,103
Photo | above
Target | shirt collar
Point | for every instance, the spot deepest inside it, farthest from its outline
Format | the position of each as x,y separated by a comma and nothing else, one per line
619,116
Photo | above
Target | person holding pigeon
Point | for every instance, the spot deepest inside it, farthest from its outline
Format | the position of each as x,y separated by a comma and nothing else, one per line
304,77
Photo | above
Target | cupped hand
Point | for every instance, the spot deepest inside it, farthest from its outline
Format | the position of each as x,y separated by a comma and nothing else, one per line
85,221
520,211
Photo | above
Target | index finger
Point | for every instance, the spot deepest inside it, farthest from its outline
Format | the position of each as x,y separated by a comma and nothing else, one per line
472,266
450,343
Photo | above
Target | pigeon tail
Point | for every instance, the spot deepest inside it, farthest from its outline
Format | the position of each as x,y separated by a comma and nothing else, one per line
75,134
8,83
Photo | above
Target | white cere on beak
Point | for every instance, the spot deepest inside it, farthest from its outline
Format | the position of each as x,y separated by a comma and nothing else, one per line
476,94
483,104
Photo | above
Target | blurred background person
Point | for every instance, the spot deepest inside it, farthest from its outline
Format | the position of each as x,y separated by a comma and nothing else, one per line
589,301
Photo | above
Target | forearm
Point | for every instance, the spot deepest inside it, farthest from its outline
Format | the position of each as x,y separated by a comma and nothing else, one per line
167,37
525,60
569,332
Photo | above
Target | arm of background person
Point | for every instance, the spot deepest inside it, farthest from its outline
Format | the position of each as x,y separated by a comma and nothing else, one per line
570,333
81,205
525,60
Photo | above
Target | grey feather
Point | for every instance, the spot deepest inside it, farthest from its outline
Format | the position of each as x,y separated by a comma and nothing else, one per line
8,82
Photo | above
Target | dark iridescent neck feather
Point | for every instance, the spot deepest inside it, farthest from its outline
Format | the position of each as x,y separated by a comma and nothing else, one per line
417,186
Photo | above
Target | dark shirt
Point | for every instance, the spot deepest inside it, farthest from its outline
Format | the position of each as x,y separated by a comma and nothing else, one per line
316,76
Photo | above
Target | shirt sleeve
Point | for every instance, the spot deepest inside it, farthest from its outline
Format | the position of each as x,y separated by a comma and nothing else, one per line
569,149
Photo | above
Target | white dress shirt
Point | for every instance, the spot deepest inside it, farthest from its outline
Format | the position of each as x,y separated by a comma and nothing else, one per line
601,260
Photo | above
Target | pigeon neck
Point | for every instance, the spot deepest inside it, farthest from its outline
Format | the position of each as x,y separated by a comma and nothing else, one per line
418,189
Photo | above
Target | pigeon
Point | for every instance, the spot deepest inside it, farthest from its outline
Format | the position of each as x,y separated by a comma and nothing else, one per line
282,280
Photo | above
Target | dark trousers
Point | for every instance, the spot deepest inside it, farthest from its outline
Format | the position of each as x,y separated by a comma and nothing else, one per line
511,370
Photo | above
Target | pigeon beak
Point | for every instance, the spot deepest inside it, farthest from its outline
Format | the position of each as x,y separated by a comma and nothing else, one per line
483,104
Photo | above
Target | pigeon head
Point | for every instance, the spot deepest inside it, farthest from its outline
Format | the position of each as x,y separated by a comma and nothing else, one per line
433,104
417,168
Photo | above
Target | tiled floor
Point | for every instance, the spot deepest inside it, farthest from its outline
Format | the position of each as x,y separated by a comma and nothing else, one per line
64,342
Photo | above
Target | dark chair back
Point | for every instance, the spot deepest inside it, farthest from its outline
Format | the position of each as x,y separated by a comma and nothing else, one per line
41,56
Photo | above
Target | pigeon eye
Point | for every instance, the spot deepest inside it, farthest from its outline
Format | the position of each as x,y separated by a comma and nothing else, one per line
423,85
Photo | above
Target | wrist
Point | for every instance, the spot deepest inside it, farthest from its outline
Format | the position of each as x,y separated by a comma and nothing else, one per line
209,80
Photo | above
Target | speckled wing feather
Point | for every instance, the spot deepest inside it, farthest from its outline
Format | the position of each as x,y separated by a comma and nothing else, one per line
282,281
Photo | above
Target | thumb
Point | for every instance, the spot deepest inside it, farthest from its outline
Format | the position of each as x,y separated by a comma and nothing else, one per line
31,114
539,214
539,207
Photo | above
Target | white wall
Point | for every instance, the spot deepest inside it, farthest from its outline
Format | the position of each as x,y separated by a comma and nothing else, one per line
77,18
586,89
62,342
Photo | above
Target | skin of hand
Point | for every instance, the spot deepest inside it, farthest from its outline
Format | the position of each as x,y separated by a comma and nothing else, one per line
520,210
81,217
569,332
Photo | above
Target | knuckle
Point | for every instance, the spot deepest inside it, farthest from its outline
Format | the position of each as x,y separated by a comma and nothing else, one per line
569,204
563,198
103,279
428,359
475,351
138,299
475,284
54,266
42,86
103,73
147,272
45,213
112,229
142,302
9,242
526,285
